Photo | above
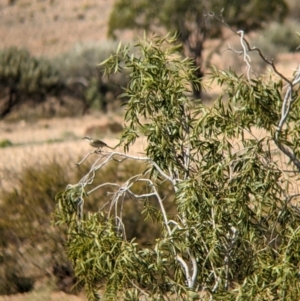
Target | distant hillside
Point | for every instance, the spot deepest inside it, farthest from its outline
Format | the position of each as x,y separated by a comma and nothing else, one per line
48,27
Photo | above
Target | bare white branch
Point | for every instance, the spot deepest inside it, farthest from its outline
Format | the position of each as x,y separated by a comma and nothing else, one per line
247,58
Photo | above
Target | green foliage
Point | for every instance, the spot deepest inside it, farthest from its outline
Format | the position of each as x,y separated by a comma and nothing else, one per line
5,143
144,232
194,21
26,74
82,59
25,79
93,95
181,15
235,232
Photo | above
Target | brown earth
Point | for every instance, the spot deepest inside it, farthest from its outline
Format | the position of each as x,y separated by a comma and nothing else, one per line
44,296
50,27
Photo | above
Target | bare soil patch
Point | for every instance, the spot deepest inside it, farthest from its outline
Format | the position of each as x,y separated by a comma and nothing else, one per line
50,27
42,296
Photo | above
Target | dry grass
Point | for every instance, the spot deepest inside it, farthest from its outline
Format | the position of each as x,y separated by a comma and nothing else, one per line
32,146
35,143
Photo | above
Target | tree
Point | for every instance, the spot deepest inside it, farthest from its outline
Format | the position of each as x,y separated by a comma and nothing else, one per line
235,234
191,19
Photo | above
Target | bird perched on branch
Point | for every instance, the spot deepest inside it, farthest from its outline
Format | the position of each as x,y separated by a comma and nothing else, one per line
99,144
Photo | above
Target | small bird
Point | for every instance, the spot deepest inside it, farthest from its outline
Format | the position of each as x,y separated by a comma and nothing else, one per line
96,143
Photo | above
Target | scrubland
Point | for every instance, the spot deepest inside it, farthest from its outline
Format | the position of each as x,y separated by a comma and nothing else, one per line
50,28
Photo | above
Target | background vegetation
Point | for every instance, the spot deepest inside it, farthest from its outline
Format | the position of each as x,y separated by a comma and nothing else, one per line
73,79
194,21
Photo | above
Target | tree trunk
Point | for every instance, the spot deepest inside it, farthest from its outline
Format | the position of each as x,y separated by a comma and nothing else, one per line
197,91
13,100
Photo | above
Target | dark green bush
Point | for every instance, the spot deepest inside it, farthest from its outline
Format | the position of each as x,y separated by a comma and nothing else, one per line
115,127
11,272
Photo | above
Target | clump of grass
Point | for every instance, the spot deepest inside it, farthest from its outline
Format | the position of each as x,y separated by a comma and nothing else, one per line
97,131
27,238
80,16
68,135
86,6
5,143
12,280
102,130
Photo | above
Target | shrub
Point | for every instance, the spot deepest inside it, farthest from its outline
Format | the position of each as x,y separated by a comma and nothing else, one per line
12,280
28,80
23,78
78,67
5,143
277,38
28,239
294,9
